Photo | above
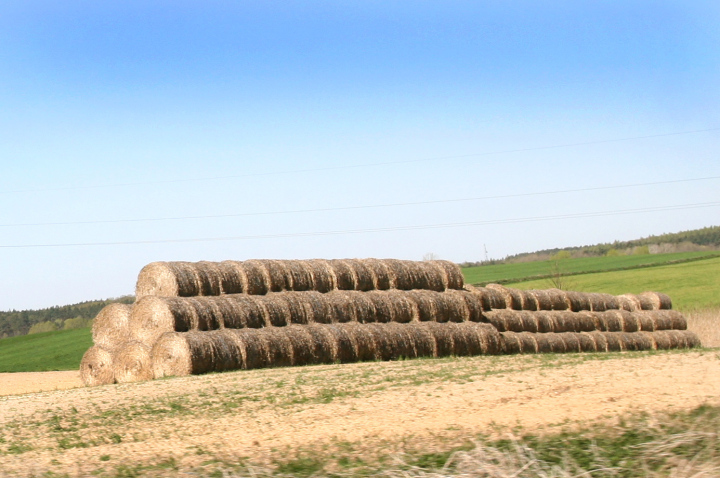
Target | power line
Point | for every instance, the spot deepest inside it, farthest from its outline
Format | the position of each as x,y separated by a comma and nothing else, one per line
357,166
374,230
348,208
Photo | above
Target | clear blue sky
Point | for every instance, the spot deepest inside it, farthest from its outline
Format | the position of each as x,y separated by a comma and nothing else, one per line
132,122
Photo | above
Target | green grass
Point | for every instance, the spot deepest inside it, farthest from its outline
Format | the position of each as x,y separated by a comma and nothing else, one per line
61,350
503,273
691,285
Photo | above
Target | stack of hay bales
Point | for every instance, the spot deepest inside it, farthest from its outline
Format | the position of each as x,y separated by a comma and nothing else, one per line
553,320
192,318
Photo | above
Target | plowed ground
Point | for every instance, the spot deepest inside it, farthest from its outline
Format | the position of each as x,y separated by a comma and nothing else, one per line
201,423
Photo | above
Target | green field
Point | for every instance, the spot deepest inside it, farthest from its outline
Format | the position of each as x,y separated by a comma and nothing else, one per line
691,285
61,350
502,273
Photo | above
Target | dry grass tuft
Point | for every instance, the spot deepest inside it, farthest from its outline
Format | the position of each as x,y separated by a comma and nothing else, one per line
706,324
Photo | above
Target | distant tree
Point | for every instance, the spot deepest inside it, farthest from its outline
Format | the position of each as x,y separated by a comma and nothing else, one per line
641,250
612,253
43,327
77,323
430,256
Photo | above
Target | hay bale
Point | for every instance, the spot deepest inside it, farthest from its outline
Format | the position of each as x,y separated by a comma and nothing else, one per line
611,302
691,339
646,302
488,299
512,298
542,298
664,340
528,343
453,277
630,321
382,276
669,319
344,273
455,305
111,327
153,316
404,309
383,304
597,302
444,338
473,303
571,341
423,339
657,300
529,321
298,276
614,341
550,343
511,343
578,301
585,321
303,345
529,302
318,308
323,276
298,307
172,356
587,342
629,302
158,278
363,275
546,321
340,307
612,321
558,299
327,345
403,342
363,345
259,281
601,344
178,279
132,363
646,321
505,320
96,367
278,312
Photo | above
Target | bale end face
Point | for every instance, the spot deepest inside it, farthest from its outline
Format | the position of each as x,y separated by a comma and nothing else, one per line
156,278
133,363
150,318
171,356
96,367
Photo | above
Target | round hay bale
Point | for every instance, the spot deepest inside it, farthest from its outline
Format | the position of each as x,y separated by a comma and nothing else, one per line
484,297
614,341
679,322
303,345
572,342
245,311
96,367
598,319
383,305
453,277
558,299
363,275
318,307
208,277
401,274
647,302
585,321
528,343
511,343
382,276
529,302
627,341
404,309
402,340
258,277
361,343
472,302
543,343
444,341
111,327
300,275
424,340
645,319
132,363
435,276
546,321
456,306
512,298
601,344
498,319
629,302
578,301
297,307
323,276
612,321
630,321
279,273
490,338
659,301
153,316
597,302
172,356
661,321
384,342
232,278
280,347
643,341
529,321
441,308
364,306
208,315
663,340
542,298
564,321
551,342
587,343
341,307
425,303
277,309
157,278
611,302
344,274
691,339
325,344
252,345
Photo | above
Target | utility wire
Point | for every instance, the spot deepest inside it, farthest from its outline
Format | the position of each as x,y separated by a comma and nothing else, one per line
348,208
356,166
379,229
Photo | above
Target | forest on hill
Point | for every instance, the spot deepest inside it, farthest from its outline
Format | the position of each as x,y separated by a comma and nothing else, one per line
21,322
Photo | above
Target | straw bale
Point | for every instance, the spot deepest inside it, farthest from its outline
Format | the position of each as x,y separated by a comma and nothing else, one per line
528,343
601,343
473,303
172,355
647,302
546,321
341,307
578,301
402,341
614,341
384,346
677,320
153,316
587,342
512,297
564,321
542,298
318,308
585,321
326,344
691,338
443,336
456,306
423,339
252,347
364,306
323,276
631,321
233,279
132,363
658,300
454,278
363,346
157,278
629,302
405,309
558,299
529,302
433,276
427,306
258,277
280,346
296,275
505,320
244,311
572,342
383,305
344,273
664,340
511,343
550,343
382,276
529,321
646,321
489,299
465,343
297,303
278,312
627,341
303,345
96,367
363,275
611,321
597,302
111,327
611,302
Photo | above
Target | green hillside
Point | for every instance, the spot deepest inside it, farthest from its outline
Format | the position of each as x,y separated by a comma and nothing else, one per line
691,285
61,350
503,273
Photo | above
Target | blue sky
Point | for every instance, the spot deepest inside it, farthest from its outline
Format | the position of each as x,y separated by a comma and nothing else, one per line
132,122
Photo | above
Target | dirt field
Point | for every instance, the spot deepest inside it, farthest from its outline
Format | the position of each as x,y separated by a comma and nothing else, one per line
196,422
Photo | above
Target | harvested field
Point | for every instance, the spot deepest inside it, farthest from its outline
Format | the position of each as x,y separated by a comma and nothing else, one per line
204,424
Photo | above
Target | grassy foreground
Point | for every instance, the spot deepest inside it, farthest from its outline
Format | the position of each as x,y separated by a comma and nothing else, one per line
61,350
